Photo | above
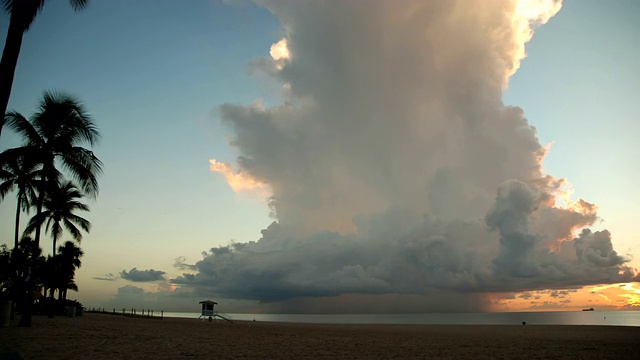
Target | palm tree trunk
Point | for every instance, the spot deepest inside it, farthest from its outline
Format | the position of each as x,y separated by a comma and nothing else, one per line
36,238
9,61
15,295
55,240
54,254
27,309
17,234
53,287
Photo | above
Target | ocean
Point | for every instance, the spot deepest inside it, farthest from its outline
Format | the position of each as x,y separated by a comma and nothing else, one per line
617,318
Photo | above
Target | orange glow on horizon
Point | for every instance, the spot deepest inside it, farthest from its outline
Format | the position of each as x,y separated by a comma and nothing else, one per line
625,296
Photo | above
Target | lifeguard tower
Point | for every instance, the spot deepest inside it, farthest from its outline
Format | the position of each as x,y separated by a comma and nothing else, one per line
209,312
207,309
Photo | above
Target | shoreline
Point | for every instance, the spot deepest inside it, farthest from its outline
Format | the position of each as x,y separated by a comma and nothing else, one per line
608,318
101,336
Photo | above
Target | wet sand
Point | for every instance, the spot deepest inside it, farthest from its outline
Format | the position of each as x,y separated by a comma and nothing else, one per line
99,336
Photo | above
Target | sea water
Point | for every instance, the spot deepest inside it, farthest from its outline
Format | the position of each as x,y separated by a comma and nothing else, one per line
618,318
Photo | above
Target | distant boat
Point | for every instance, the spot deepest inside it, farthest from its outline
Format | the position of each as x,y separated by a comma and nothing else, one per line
589,309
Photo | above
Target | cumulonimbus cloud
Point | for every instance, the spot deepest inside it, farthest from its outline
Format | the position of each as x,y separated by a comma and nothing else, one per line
395,168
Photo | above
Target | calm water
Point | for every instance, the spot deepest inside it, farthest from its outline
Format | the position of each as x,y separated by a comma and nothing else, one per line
622,318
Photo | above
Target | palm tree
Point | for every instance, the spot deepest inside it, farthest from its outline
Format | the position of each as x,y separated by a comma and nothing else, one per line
19,172
22,14
58,210
69,255
29,264
61,270
49,277
25,254
54,136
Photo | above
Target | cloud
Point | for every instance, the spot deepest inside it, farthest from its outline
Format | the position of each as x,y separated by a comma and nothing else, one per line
107,277
134,297
279,50
280,54
238,180
395,169
130,290
142,275
180,263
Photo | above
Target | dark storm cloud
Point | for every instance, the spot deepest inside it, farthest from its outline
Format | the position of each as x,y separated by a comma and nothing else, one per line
142,275
180,263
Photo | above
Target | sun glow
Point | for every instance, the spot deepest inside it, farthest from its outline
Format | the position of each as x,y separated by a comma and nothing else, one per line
625,296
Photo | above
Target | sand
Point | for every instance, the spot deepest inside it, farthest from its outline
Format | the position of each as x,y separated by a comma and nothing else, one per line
99,336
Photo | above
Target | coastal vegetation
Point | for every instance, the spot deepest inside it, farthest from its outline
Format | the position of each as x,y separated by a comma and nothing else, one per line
50,173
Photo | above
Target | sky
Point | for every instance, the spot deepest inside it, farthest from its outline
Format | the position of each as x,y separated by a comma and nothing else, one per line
369,157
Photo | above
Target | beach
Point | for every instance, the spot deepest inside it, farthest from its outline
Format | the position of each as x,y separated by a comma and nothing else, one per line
101,336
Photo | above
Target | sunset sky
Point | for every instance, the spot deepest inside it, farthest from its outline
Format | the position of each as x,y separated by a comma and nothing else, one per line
402,177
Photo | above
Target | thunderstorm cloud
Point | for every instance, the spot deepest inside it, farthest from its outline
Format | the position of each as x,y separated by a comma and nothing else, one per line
396,172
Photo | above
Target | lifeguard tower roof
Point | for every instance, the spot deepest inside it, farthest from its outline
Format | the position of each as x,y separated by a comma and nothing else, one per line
208,302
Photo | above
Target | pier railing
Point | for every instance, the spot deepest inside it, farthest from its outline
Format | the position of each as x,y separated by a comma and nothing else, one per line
145,313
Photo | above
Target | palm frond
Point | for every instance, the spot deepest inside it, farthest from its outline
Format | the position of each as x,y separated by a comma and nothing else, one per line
24,10
62,116
78,5
56,230
82,174
36,221
76,205
87,159
82,222
73,230
72,286
19,171
50,221
5,188
7,5
19,124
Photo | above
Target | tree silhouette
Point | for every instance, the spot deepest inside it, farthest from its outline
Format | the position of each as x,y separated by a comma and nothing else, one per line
55,134
18,172
6,271
69,255
24,256
29,266
21,13
59,206
60,270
